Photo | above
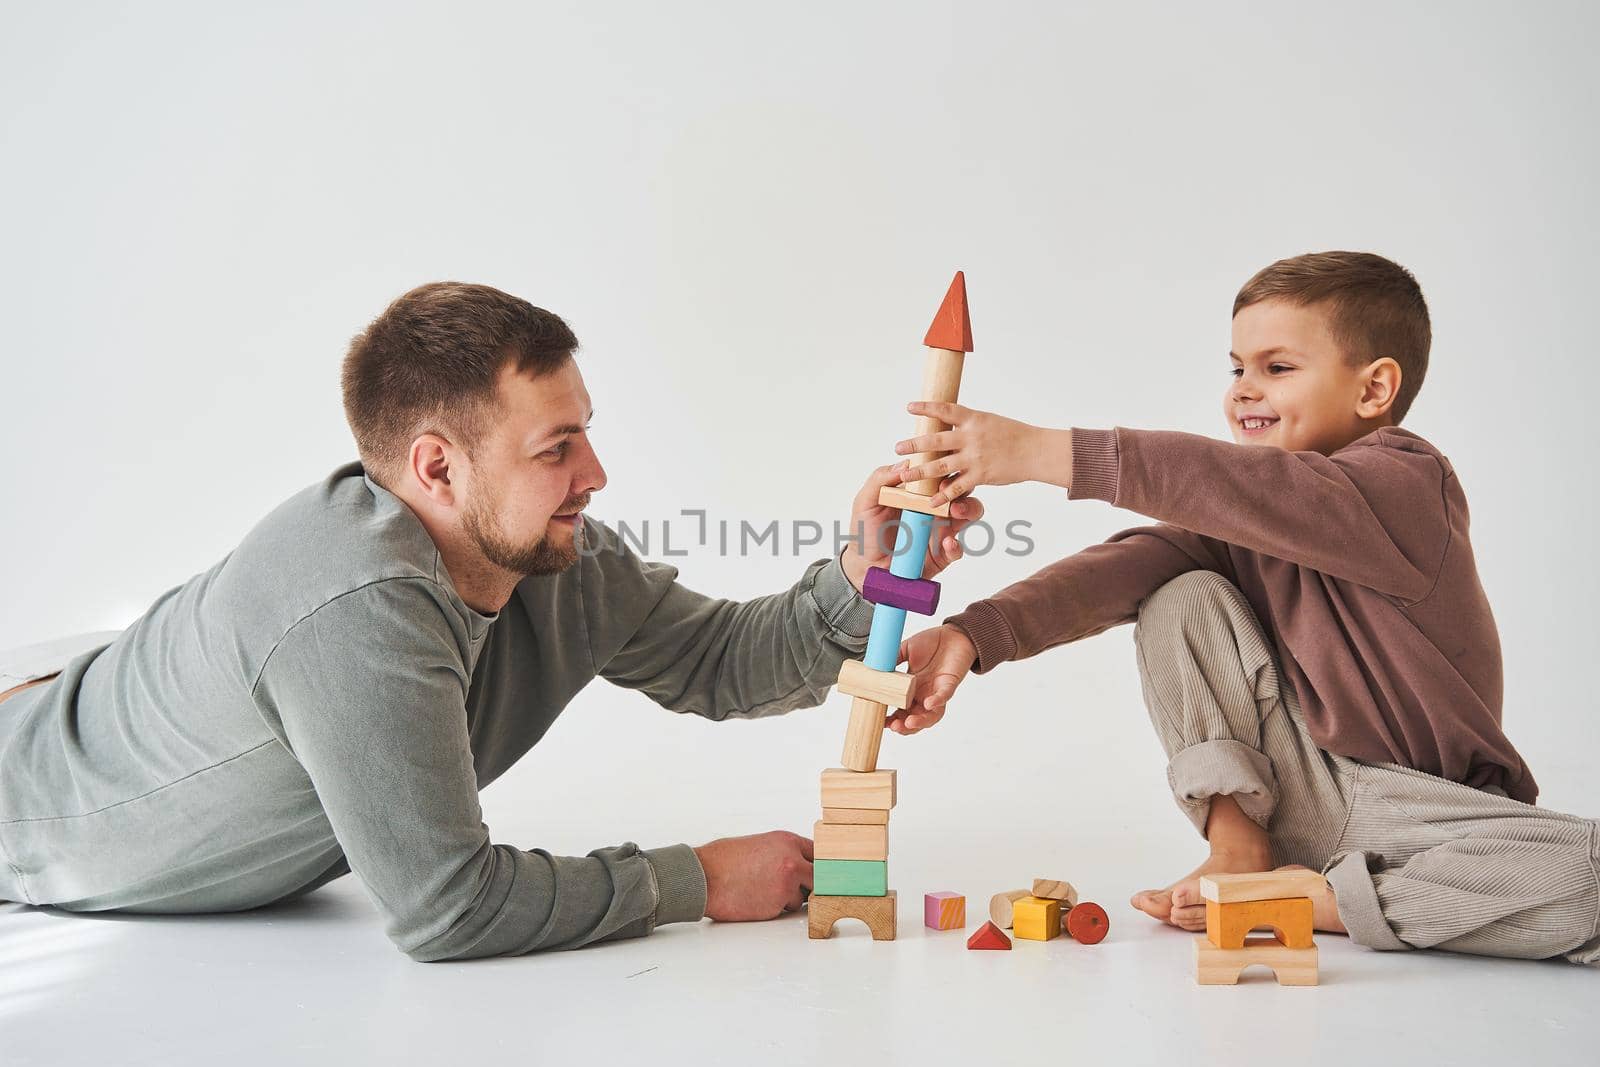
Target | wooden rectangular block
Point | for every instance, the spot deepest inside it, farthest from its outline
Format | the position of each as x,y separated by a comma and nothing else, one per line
864,734
897,496
858,789
1265,885
850,841
856,816
1221,966
944,911
878,912
850,878
890,688
1289,918
1036,919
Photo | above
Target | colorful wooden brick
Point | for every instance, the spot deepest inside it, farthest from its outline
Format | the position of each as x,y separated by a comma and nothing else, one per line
850,878
944,911
1289,920
920,595
1036,919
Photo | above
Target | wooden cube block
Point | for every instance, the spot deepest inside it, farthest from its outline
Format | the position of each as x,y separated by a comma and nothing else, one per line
898,496
850,878
1221,966
891,688
1053,890
1001,905
856,816
858,789
1265,885
944,911
878,912
1036,919
850,841
1290,921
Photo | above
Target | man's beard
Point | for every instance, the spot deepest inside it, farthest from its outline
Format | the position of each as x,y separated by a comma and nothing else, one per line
540,557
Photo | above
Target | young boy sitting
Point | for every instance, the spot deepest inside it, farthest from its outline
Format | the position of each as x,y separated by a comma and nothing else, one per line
1316,651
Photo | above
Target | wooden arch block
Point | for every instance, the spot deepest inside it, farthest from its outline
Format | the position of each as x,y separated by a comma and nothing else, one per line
1222,966
877,912
1289,920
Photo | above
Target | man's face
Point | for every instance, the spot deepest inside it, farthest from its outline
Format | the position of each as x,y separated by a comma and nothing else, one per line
1292,385
533,472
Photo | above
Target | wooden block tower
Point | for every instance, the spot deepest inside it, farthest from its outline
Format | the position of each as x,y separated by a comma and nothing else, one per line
1239,903
852,840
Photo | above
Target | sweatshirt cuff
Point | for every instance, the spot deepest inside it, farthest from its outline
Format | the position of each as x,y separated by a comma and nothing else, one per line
847,614
680,884
1357,899
1095,461
987,629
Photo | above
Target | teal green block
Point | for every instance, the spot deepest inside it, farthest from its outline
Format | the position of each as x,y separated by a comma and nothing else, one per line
850,878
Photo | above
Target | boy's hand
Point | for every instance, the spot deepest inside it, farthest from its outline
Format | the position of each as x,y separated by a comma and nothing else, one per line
874,523
985,449
940,658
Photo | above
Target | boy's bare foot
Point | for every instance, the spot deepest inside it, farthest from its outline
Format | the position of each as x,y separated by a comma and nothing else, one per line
1184,907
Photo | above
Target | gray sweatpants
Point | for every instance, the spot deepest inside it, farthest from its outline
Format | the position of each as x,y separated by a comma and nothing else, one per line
1415,861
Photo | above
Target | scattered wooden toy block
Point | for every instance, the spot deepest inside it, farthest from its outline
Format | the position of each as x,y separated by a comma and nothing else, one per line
1290,920
850,841
891,688
856,816
1001,906
1221,966
1036,919
849,878
858,789
944,911
920,595
1052,890
1265,885
864,734
989,936
1087,923
878,912
907,499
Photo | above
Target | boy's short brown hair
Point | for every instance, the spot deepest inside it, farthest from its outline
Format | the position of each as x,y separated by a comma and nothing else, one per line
430,362
1374,305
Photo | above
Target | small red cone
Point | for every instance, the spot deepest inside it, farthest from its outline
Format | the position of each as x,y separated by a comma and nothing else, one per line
951,328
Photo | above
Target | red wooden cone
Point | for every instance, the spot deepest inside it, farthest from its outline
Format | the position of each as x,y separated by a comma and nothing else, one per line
989,936
951,328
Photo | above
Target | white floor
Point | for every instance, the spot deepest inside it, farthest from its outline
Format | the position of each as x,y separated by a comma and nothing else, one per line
316,982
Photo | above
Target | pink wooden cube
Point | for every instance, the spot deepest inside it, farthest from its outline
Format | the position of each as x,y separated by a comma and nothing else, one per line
944,911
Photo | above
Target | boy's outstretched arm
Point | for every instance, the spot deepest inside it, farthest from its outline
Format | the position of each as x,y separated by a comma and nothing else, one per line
1354,515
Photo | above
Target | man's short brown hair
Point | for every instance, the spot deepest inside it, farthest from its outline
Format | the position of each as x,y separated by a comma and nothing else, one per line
429,364
1374,307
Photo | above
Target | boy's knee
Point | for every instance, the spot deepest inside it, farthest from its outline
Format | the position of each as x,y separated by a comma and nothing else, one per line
1196,596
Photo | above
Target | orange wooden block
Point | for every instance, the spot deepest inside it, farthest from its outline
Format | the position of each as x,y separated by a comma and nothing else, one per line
1290,921
952,329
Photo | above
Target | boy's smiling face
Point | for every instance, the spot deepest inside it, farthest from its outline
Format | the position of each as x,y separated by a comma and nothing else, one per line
1293,387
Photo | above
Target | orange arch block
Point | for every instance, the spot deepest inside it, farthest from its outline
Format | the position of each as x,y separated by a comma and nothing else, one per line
1289,920
951,328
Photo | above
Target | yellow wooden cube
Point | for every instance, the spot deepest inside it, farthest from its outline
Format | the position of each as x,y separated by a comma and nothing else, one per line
1036,919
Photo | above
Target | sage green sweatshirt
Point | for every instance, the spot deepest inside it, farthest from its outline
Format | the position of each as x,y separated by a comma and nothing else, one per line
322,701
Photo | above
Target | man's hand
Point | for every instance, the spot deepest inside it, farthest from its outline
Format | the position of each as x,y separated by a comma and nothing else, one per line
940,658
875,526
749,879
985,449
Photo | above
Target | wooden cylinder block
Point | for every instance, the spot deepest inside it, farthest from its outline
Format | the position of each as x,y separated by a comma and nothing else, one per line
864,735
941,380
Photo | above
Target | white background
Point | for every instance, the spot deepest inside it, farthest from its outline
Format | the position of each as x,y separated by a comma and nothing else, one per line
749,214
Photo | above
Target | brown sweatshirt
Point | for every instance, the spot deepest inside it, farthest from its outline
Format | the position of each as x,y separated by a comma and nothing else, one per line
1357,564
